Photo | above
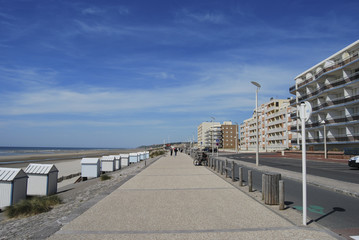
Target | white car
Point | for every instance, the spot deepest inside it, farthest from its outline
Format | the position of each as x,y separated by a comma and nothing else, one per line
354,161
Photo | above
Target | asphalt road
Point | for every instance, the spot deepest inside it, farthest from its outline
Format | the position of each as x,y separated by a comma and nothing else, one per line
333,210
337,171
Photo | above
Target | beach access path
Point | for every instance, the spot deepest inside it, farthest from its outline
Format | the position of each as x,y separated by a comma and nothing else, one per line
173,199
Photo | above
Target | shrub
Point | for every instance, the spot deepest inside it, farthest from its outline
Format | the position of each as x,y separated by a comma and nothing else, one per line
32,206
157,153
105,177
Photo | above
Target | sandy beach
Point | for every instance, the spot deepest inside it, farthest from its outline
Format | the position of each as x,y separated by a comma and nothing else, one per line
66,162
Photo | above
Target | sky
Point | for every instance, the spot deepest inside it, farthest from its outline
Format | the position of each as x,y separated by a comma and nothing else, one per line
125,73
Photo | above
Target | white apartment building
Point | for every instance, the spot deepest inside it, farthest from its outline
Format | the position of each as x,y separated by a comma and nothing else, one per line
213,136
274,127
332,88
202,133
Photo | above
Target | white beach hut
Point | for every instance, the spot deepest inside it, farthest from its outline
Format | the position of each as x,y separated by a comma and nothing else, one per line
90,167
133,157
147,154
124,160
117,161
13,186
108,164
142,156
42,179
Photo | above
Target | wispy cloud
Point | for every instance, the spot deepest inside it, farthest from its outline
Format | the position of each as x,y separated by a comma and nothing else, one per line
186,15
216,90
93,11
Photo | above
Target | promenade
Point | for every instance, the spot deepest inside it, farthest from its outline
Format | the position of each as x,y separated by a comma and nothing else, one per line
173,199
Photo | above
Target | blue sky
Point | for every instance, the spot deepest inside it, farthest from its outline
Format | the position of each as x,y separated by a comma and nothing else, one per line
127,73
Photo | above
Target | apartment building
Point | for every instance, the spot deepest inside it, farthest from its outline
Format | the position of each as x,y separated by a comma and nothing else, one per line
332,88
202,133
274,127
229,136
223,136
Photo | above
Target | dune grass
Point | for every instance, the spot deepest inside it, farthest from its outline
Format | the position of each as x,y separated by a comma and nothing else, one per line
32,206
105,177
157,153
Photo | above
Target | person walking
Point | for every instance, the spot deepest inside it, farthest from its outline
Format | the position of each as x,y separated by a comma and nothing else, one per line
176,151
171,151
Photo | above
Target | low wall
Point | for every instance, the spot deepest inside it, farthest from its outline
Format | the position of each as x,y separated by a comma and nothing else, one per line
319,154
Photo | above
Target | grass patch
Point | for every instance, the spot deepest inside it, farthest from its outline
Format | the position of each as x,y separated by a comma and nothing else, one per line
105,177
32,206
157,153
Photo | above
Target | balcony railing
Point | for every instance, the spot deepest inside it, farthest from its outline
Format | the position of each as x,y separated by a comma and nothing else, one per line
324,70
330,121
338,138
335,83
337,101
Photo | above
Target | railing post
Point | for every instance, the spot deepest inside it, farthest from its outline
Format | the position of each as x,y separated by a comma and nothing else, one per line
250,183
226,168
263,186
281,195
240,170
218,166
233,163
221,163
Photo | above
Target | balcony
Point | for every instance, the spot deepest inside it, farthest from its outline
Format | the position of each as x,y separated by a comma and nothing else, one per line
333,84
337,101
292,89
330,68
330,121
338,138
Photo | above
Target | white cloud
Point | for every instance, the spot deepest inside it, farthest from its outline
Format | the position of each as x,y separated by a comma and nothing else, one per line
185,15
217,90
93,11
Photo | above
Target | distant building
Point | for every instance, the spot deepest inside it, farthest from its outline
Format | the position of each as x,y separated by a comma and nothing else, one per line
332,88
218,135
202,134
274,127
230,136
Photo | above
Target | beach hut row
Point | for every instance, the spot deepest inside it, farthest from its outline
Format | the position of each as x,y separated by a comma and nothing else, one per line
92,167
36,180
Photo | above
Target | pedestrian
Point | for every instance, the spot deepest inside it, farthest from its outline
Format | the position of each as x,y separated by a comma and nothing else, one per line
171,151
176,151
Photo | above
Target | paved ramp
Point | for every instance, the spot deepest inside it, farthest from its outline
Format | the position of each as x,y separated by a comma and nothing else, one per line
173,199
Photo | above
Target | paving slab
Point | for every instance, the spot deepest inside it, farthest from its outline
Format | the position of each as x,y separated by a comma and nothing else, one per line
173,199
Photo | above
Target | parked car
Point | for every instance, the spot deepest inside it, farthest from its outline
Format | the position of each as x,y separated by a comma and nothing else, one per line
354,161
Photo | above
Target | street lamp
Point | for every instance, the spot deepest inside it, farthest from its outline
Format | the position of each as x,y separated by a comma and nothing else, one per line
325,139
213,118
257,148
236,136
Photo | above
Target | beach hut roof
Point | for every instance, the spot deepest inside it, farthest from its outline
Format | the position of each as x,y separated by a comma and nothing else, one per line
9,174
108,158
133,154
34,168
124,155
90,160
116,156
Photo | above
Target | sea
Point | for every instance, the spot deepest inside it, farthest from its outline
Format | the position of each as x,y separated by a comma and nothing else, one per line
14,151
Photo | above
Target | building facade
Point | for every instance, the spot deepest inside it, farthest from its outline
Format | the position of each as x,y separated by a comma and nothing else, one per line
223,136
274,127
332,89
229,136
202,134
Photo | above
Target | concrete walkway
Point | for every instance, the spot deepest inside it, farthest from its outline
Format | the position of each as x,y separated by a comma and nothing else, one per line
173,199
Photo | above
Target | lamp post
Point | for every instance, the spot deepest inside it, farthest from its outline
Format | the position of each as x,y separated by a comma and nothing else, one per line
212,135
325,139
257,147
236,136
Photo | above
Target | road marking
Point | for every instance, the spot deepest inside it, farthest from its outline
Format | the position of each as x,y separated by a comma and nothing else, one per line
355,237
312,208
